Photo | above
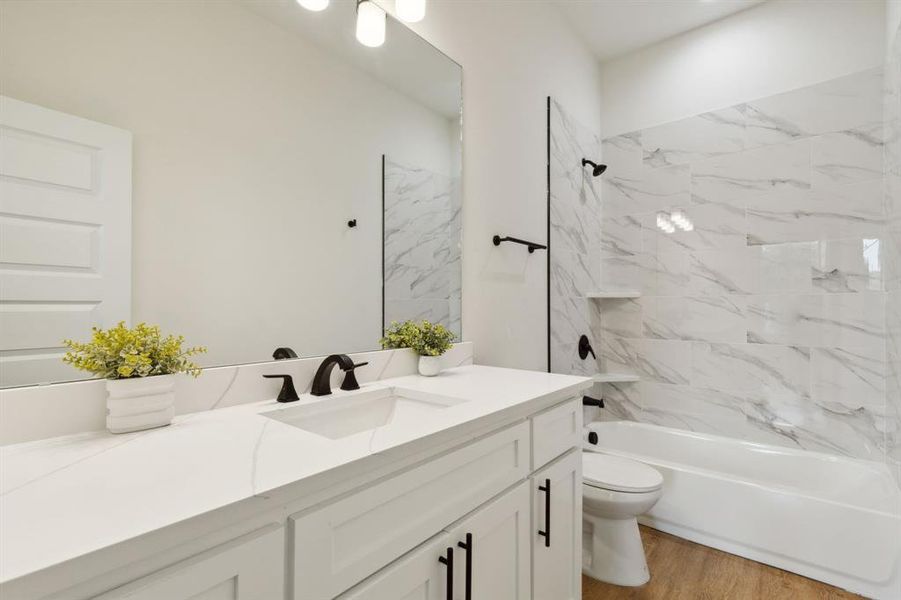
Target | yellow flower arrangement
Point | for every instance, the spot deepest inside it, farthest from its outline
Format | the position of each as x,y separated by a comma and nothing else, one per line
122,353
425,338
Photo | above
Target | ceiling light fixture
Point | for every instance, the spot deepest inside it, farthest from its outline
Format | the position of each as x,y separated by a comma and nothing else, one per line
314,5
410,11
370,24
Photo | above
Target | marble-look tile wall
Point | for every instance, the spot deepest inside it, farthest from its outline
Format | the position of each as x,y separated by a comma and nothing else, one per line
575,241
767,320
422,246
892,112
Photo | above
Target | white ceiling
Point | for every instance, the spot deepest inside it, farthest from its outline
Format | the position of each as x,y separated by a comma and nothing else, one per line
615,27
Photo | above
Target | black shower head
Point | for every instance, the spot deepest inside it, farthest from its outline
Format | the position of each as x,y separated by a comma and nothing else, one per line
596,168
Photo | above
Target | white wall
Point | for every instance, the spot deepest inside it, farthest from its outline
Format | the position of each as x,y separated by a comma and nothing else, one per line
514,54
773,47
892,22
252,149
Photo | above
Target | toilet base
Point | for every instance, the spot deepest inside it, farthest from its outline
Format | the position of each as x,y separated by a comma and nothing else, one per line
612,551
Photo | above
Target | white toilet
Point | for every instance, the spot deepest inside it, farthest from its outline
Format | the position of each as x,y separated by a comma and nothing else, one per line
615,491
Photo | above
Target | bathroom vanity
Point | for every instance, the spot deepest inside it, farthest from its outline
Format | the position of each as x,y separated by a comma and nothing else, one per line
260,182
466,486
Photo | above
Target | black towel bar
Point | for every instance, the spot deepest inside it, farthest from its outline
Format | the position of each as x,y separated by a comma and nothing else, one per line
531,245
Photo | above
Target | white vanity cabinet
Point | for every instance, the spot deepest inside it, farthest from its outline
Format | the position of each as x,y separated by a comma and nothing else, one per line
472,520
524,544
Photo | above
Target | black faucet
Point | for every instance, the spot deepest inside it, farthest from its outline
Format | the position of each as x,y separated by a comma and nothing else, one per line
283,353
321,386
287,393
589,401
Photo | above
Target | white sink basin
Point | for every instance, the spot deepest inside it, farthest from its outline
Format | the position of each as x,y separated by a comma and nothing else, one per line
337,417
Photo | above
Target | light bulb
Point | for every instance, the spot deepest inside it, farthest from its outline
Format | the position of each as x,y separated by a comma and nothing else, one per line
314,5
664,222
370,24
411,11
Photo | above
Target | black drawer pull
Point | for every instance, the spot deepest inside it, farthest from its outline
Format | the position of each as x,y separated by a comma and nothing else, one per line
546,488
467,545
449,561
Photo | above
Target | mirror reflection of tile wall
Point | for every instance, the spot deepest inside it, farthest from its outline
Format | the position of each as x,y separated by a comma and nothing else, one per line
422,246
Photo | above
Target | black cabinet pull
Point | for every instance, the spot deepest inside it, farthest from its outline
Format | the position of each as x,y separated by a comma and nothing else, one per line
449,561
546,488
467,545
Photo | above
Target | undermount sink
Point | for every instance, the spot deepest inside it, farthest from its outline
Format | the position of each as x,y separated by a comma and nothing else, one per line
342,416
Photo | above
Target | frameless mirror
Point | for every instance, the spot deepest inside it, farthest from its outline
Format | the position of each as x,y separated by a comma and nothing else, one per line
243,173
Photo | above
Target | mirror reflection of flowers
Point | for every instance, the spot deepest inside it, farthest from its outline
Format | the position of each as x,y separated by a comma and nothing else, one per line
125,353
424,337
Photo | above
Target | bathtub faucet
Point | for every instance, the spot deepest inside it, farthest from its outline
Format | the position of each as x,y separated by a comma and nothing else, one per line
589,401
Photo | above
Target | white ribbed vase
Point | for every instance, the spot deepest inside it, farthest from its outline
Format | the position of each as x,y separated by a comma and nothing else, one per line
139,403
429,366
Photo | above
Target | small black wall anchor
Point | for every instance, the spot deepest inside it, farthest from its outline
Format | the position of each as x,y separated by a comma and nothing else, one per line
532,246
352,223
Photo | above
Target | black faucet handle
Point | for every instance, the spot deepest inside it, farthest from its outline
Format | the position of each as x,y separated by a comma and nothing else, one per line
350,379
287,393
585,348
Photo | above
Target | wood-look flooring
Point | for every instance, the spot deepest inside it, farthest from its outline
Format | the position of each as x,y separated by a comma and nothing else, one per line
683,570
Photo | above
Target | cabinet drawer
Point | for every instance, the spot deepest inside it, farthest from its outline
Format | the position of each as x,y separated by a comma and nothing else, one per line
339,545
555,431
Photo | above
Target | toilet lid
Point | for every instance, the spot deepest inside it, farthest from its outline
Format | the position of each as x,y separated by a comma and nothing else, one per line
618,474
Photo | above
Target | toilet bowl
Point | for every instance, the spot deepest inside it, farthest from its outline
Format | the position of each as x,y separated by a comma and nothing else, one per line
615,491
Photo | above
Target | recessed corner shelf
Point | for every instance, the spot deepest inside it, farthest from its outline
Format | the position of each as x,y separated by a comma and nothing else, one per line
614,294
615,378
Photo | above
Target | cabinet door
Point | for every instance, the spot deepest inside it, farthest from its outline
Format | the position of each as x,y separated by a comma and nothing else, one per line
420,575
557,529
251,567
492,549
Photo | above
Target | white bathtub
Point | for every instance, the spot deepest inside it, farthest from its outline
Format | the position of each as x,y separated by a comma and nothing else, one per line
830,518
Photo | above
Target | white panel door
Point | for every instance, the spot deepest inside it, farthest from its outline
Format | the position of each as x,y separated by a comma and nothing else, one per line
249,568
493,548
65,236
420,575
557,529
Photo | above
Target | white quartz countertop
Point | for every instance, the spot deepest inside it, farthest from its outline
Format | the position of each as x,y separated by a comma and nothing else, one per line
66,497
